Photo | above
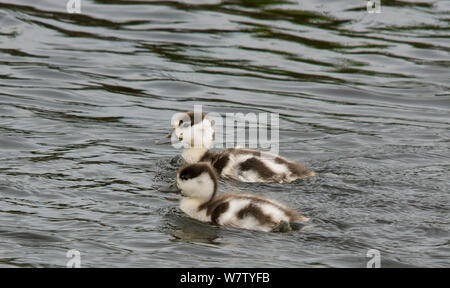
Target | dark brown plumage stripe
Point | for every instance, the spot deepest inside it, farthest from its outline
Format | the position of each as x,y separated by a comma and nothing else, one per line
208,156
253,210
217,160
220,162
292,214
219,210
258,166
294,168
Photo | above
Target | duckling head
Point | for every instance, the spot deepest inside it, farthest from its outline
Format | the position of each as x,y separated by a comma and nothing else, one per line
194,129
197,181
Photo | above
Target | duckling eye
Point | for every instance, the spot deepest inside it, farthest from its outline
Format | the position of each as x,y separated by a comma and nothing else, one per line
184,177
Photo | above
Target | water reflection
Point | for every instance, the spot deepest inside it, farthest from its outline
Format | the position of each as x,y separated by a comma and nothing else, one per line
191,231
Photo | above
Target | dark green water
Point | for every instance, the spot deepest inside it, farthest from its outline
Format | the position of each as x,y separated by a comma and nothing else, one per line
363,98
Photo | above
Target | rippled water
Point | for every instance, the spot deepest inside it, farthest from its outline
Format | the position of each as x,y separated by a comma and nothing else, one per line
363,98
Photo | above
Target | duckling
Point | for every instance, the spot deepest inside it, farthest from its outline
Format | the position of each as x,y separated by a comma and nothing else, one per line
196,132
198,184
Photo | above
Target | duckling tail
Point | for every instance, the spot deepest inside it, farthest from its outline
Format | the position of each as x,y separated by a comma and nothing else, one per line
301,218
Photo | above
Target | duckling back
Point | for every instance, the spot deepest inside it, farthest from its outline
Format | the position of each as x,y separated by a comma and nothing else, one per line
250,212
248,165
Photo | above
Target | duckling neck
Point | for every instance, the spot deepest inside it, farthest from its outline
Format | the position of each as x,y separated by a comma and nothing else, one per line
191,206
194,154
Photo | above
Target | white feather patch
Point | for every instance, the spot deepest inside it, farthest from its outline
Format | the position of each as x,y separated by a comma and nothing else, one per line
190,207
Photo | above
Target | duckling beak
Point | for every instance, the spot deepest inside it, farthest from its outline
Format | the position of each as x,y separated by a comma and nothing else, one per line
171,188
166,139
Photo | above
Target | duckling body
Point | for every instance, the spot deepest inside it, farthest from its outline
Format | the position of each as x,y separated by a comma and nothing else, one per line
246,165
199,186
249,165
241,211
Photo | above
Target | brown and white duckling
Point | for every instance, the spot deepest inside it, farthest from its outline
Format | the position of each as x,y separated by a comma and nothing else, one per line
198,184
196,132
